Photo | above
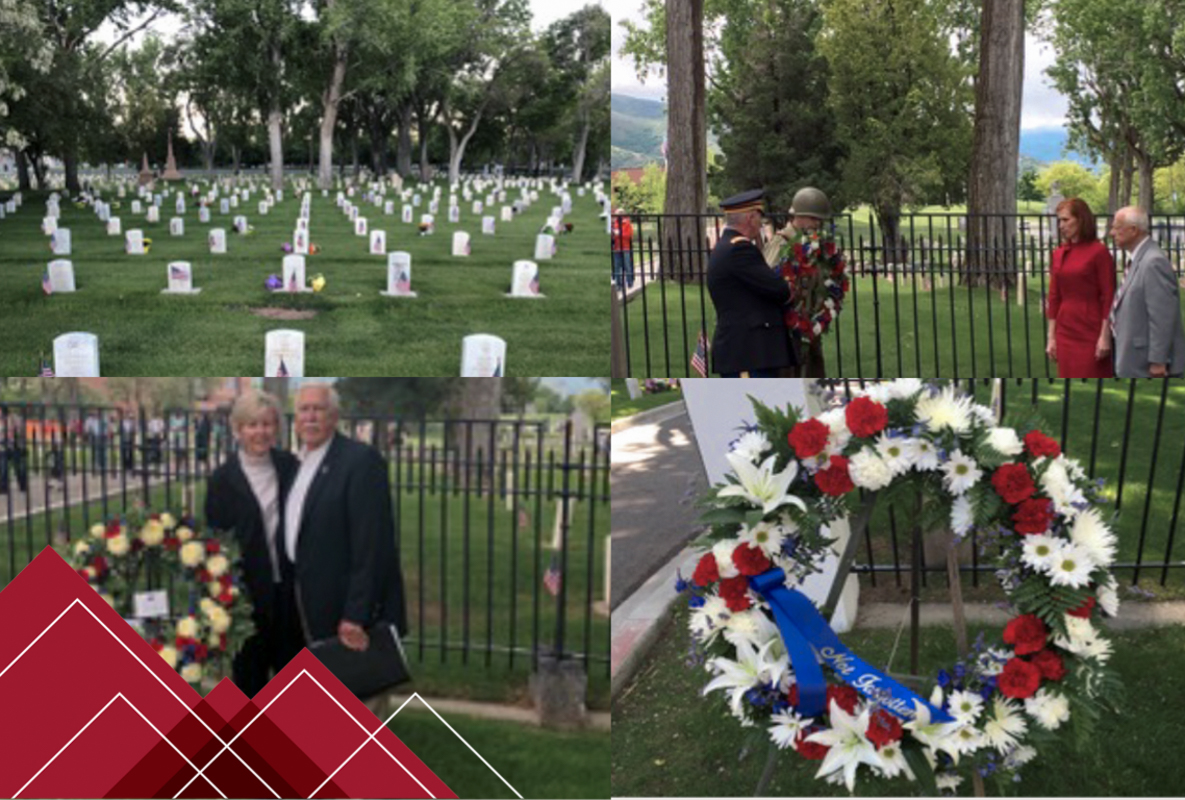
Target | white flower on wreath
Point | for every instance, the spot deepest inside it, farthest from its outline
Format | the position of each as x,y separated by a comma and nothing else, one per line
219,620
948,781
118,545
187,628
991,661
931,733
896,451
1061,489
98,531
751,445
81,547
192,554
1005,442
1050,710
217,565
925,455
837,423
191,673
762,485
765,536
961,472
869,471
1092,534
750,669
849,746
1071,566
184,533
965,706
153,533
964,739
1004,726
946,409
752,626
985,415
786,727
893,761
708,621
1084,640
962,515
168,521
1019,756
169,654
722,551
1109,597
1039,550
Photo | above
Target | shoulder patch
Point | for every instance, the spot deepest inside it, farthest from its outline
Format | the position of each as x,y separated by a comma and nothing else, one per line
740,239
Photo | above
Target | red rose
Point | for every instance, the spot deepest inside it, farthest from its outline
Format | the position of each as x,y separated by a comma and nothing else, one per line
226,581
1019,679
866,417
750,560
203,575
1033,516
706,571
222,641
844,696
835,479
1050,665
1038,444
1084,609
200,652
1026,634
812,751
171,543
808,438
883,728
1013,483
226,598
735,592
213,546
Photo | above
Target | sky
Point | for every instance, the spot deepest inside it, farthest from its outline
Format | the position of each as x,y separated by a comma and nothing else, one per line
1041,107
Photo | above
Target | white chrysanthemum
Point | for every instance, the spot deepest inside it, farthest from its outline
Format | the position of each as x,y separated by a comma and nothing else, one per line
948,781
751,445
169,654
786,727
168,521
1083,639
876,391
836,421
187,628
723,552
765,536
751,625
947,409
965,739
219,620
869,471
1097,648
1071,566
961,472
1004,725
1109,597
1092,534
192,553
1060,489
1019,756
1039,551
991,661
962,515
98,530
1005,442
893,761
709,620
1049,709
153,533
925,455
983,414
897,452
217,565
904,388
965,706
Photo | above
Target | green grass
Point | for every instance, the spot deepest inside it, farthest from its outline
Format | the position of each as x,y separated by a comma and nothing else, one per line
355,332
538,763
670,741
623,406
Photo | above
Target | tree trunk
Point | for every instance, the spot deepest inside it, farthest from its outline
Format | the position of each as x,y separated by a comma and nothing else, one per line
423,122
893,249
1113,188
403,153
70,163
236,154
38,171
275,119
22,171
354,154
1144,162
330,100
581,148
1125,191
687,141
456,146
996,144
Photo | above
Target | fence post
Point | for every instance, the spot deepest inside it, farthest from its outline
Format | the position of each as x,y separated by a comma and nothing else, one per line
618,365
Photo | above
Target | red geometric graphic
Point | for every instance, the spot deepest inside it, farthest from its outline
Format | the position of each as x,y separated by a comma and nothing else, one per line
91,710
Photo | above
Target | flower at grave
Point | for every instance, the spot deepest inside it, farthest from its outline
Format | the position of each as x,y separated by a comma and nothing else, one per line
318,282
751,667
814,267
869,471
706,572
809,437
167,520
1033,516
81,547
750,560
849,746
1050,710
1039,551
965,706
768,536
153,533
764,485
865,417
961,472
893,762
1039,445
118,545
1049,664
722,552
1013,483
944,410
184,533
751,445
313,249
786,728
1005,442
1071,567
1092,534
192,553
169,654
187,628
897,451
286,247
962,516
1026,634
835,480
1019,679
1062,489
1109,597
273,283
98,531
192,673
1004,726
217,565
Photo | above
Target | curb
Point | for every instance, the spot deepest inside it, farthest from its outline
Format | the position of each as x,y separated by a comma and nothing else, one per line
597,720
651,416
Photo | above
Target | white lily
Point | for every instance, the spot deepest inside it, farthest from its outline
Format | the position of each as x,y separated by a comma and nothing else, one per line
750,670
849,745
762,485
933,734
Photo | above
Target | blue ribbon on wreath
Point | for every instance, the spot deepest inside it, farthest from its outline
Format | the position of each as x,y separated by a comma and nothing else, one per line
809,640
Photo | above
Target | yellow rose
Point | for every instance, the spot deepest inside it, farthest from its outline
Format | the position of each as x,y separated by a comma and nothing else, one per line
98,530
207,605
184,534
192,553
81,547
219,621
214,588
187,628
118,545
152,534
169,654
217,566
168,521
214,641
192,673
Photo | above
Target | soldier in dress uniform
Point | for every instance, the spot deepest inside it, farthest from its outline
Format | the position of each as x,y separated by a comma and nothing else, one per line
750,339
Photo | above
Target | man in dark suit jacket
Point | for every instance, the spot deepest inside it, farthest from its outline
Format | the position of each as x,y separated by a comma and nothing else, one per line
340,540
750,339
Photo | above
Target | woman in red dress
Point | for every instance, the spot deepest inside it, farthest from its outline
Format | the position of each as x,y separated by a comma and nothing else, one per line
1081,287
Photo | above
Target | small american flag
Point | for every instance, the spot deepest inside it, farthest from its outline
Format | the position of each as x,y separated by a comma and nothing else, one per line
403,283
282,372
46,285
699,361
535,283
46,369
178,273
498,370
552,578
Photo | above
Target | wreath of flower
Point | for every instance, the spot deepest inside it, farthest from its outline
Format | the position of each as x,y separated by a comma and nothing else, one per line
814,267
210,615
1035,512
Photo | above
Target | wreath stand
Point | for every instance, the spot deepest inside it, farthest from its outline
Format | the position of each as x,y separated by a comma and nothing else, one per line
859,528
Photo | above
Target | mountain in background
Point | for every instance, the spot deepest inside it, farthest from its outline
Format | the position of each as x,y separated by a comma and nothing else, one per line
1045,145
638,128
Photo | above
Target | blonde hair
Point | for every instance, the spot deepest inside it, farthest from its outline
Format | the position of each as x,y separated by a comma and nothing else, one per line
250,405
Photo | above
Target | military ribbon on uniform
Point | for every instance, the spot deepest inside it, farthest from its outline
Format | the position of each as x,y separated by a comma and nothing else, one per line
809,639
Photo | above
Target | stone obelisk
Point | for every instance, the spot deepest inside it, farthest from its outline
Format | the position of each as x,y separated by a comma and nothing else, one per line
145,172
171,173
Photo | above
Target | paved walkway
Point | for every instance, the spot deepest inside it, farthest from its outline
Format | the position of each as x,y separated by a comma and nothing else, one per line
16,504
598,720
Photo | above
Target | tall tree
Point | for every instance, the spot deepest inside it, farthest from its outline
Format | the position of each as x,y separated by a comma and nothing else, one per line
687,128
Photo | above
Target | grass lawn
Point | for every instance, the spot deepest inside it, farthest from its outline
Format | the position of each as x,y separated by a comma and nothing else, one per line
623,406
538,763
355,330
670,741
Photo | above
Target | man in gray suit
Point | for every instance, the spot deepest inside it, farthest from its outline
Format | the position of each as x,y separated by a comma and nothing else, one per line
1146,314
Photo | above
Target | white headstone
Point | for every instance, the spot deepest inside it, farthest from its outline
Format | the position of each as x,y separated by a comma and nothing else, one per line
300,242
483,356
61,275
136,207
217,240
102,209
294,275
460,243
389,208
398,275
263,208
507,214
113,227
302,224
353,212
360,226
49,225
177,226
478,208
416,200
408,214
180,204
134,242
234,201
59,242
284,354
378,243
544,246
204,215
180,277
76,355
224,206
487,226
454,214
429,220
240,224
434,207
525,280
153,214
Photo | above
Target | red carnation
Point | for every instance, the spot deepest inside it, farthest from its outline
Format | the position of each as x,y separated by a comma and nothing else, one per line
1084,609
808,438
100,563
1013,483
829,248
226,581
1019,679
866,417
1033,516
812,751
883,728
1026,634
844,696
203,575
112,530
706,571
1050,665
735,592
200,652
222,641
226,598
171,543
750,560
1038,444
213,546
835,479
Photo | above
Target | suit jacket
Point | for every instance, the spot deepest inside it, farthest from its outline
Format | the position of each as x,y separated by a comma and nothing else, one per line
1148,327
347,550
749,298
231,506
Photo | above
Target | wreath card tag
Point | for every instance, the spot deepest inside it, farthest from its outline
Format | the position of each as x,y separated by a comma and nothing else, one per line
151,605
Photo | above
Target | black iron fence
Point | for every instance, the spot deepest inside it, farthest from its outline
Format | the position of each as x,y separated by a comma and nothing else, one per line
502,524
940,295
1128,434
